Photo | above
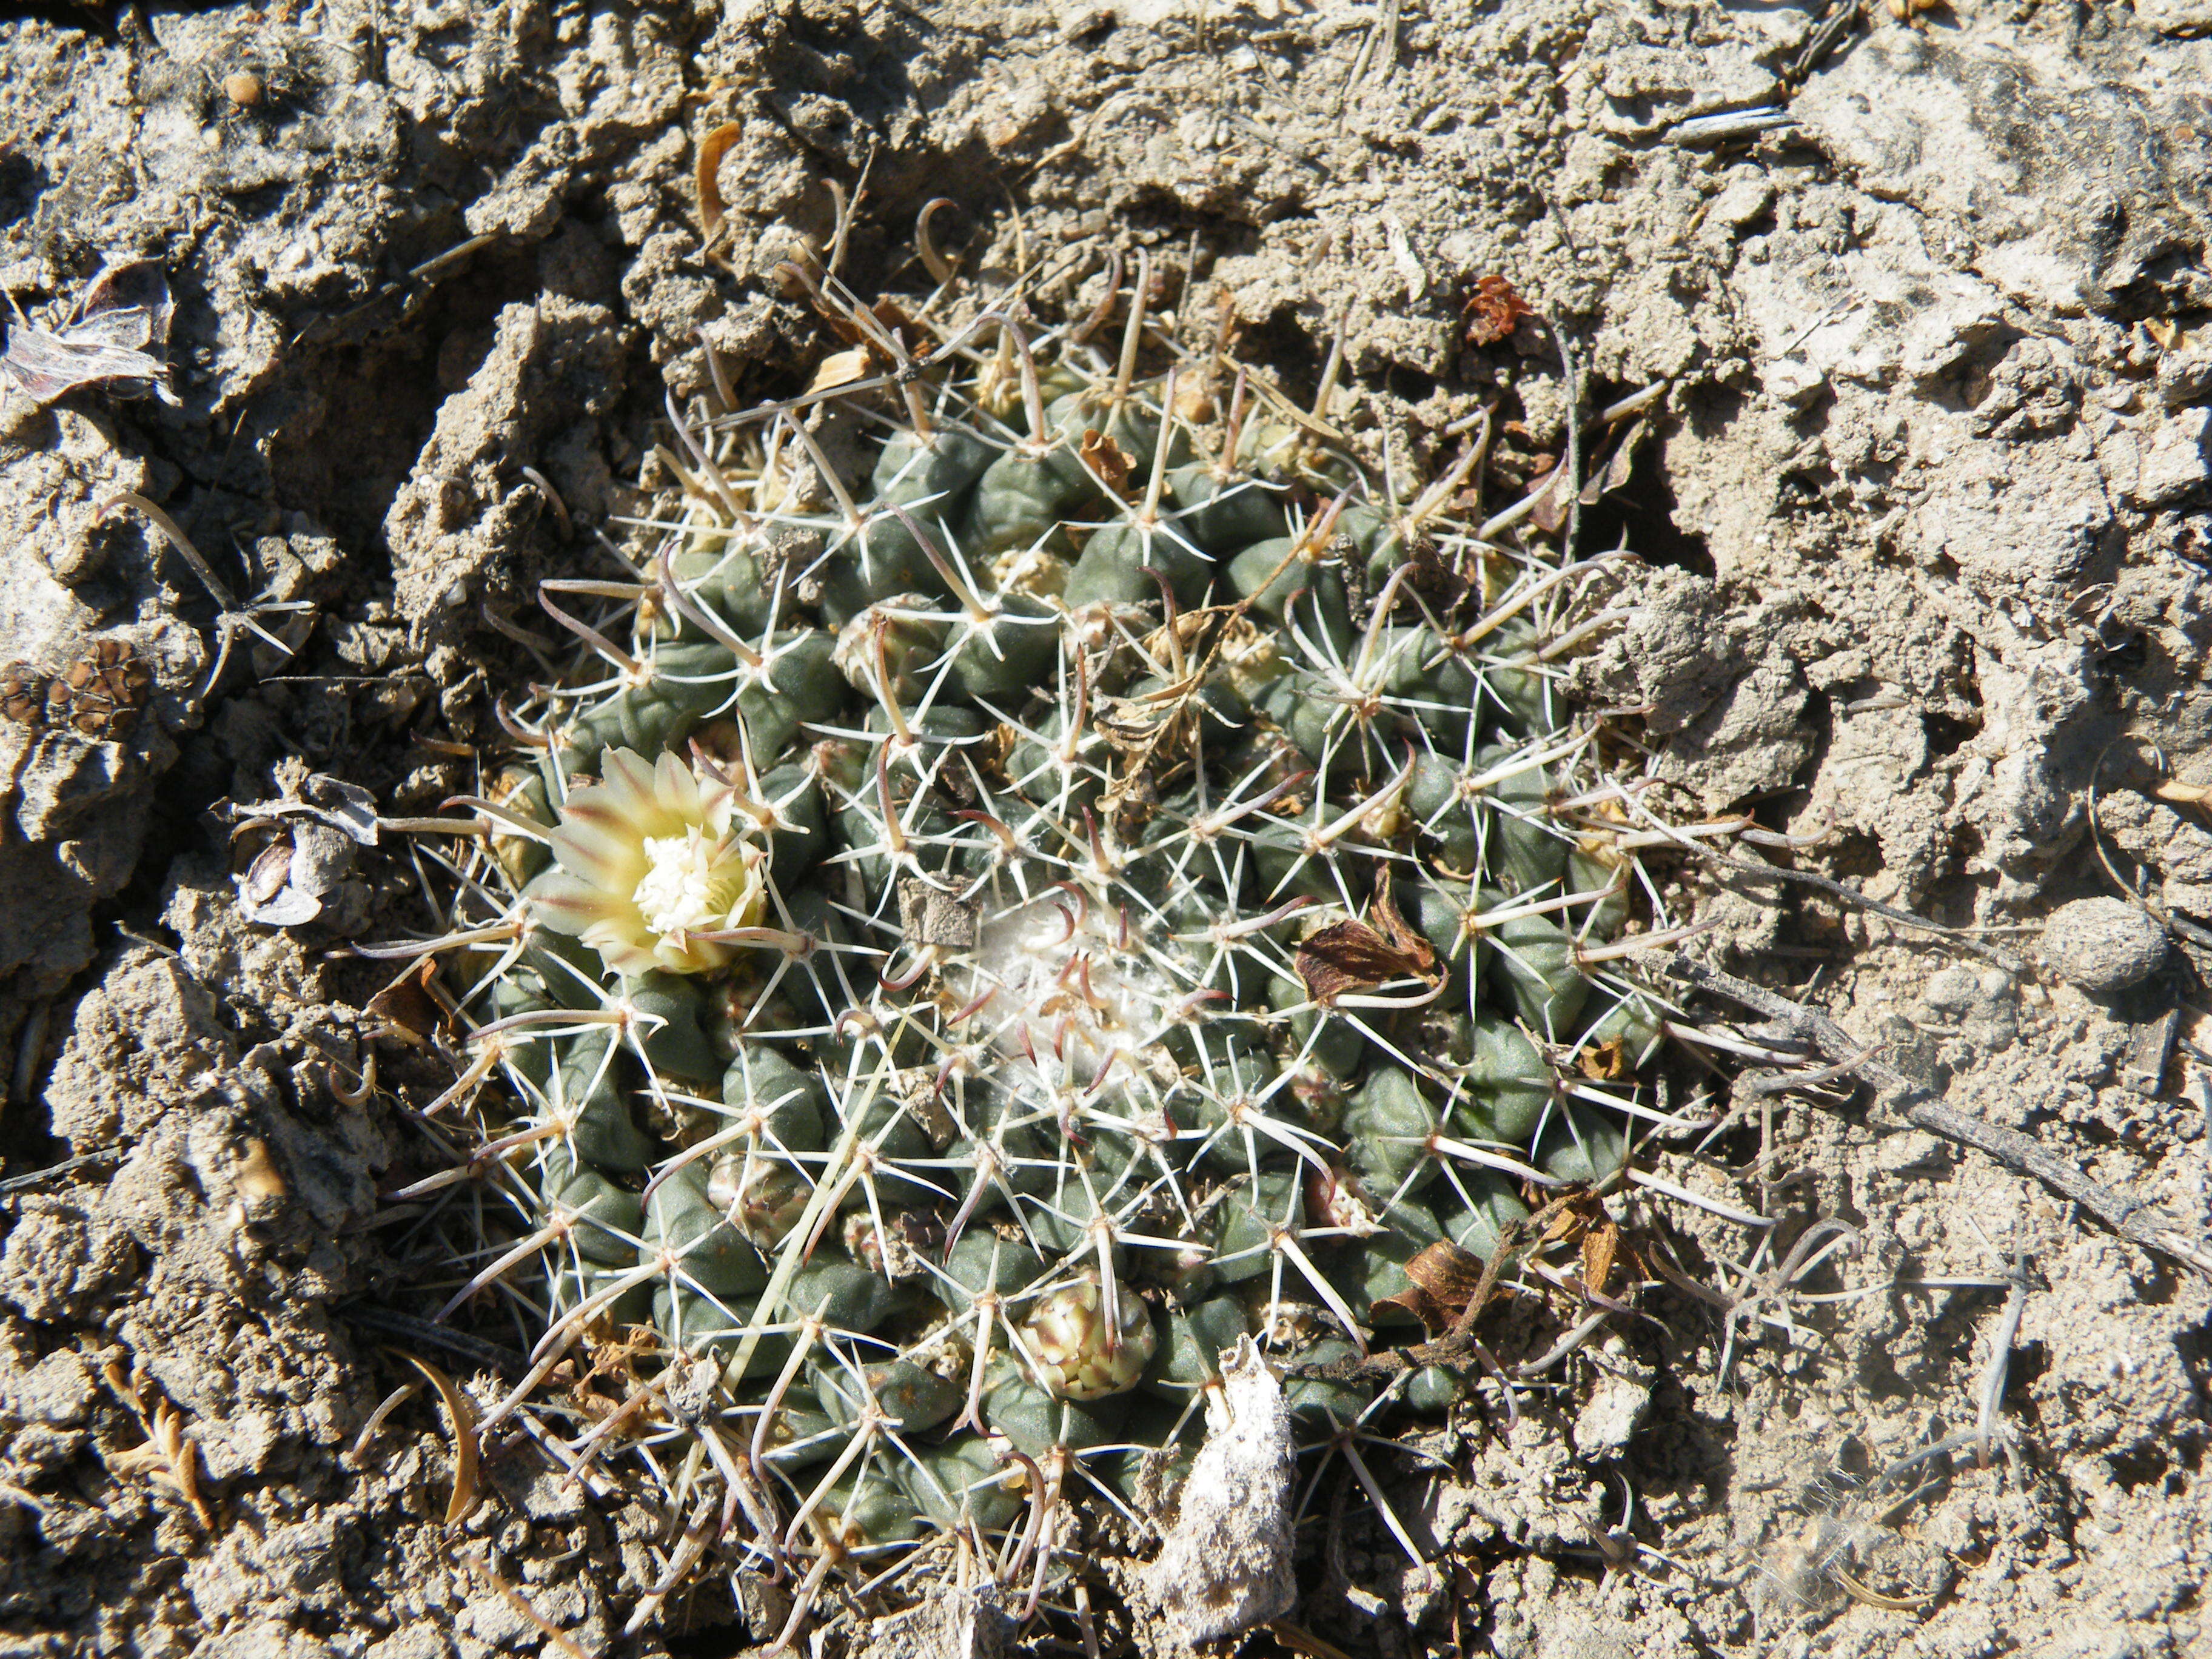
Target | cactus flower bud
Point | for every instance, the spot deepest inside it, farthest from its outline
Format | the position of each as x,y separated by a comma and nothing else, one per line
1077,1357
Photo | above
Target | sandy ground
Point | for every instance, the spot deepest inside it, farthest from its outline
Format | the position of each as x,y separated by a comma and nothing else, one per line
1923,510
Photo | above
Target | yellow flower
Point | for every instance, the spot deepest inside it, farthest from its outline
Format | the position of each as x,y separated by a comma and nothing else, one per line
649,859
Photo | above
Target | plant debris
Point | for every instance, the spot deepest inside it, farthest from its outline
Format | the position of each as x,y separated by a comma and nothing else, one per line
1356,956
1226,1566
99,696
1494,310
115,338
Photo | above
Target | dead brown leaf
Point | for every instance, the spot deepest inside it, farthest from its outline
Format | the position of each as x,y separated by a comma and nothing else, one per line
864,353
1445,1279
1352,956
1619,466
1600,1247
1565,1218
1552,492
890,316
1604,1061
1188,634
1110,461
116,337
842,368
409,1008
1402,938
1493,312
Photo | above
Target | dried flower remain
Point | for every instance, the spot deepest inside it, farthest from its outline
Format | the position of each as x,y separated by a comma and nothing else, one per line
115,337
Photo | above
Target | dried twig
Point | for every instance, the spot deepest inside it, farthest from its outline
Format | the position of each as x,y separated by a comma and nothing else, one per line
1923,1109
1873,1598
1999,1365
24,1184
1851,895
1831,29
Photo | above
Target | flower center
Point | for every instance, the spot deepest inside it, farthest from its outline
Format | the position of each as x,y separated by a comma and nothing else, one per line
691,882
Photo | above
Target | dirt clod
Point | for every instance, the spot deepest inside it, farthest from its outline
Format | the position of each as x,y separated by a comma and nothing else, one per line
2103,945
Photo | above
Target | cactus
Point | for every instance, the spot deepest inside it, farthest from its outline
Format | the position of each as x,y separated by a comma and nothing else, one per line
1013,929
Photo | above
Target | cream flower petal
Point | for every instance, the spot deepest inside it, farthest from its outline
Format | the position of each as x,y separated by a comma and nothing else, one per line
630,781
624,949
566,903
595,842
718,806
626,769
693,957
675,787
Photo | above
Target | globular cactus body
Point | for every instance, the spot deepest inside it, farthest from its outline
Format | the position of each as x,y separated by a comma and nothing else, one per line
985,971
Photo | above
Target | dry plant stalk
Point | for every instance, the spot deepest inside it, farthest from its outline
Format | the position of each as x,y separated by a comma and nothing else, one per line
462,1418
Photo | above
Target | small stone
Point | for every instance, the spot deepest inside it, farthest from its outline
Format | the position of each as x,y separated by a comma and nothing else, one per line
1618,1405
1951,990
2103,945
950,1623
930,916
2176,462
